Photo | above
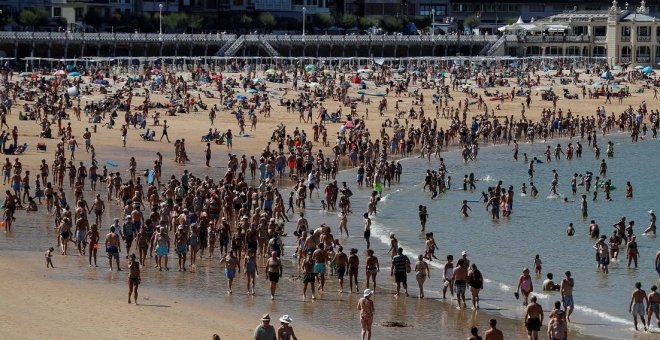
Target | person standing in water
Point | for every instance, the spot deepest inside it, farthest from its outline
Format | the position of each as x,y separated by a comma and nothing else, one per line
566,290
636,306
525,285
367,229
651,229
653,305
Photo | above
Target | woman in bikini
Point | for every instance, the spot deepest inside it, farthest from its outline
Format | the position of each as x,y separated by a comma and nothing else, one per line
423,271
133,278
372,267
366,308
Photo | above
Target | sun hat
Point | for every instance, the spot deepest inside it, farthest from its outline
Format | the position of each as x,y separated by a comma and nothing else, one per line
367,292
464,252
651,211
286,319
265,317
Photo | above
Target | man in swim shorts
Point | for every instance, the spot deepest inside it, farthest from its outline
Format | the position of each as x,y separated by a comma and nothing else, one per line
320,257
533,319
636,307
654,305
113,247
231,264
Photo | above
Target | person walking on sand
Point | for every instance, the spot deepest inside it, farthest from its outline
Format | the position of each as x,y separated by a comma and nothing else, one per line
274,272
265,331
476,283
399,269
231,264
113,247
533,319
422,273
493,333
285,332
366,307
165,126
637,305
133,278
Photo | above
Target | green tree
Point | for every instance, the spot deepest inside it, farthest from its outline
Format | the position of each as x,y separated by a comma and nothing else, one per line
366,22
324,20
195,22
392,24
267,20
348,21
472,22
511,21
175,21
245,20
33,17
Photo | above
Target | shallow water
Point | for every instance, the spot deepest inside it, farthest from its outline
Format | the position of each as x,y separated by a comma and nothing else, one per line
500,249
537,226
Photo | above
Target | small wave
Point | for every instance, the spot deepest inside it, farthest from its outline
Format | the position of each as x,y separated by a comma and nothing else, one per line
554,197
487,179
602,315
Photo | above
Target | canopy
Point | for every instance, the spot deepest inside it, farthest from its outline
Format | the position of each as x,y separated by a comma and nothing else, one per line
270,71
310,68
647,70
74,74
607,75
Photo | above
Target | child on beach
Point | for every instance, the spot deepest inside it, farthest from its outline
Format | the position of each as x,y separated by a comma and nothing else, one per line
465,208
537,264
49,257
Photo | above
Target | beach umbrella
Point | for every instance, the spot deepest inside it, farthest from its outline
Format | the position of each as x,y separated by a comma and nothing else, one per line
327,72
270,71
639,67
72,91
70,68
240,97
252,91
257,80
310,68
647,70
314,84
607,75
25,74
60,73
617,67
74,74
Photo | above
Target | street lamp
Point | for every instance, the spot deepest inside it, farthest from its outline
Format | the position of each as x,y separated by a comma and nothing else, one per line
432,22
160,18
303,11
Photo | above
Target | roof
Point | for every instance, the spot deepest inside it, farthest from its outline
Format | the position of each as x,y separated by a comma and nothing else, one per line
638,17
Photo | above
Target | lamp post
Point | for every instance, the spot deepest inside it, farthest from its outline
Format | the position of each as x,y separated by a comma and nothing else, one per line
303,12
160,19
432,22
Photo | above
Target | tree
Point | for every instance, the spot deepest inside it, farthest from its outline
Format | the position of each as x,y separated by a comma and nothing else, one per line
367,22
32,18
195,22
267,20
392,24
348,21
175,20
472,22
325,20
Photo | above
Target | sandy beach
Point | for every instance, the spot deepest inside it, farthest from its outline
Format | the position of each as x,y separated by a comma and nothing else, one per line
95,302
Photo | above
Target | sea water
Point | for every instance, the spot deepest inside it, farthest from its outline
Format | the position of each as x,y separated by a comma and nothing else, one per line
502,248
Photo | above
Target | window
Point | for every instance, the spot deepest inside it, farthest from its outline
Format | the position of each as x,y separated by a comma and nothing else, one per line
643,31
79,13
57,11
440,10
536,8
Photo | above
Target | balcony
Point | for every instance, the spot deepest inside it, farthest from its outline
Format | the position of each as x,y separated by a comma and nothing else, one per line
643,59
625,59
600,39
643,38
625,39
